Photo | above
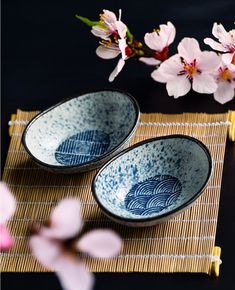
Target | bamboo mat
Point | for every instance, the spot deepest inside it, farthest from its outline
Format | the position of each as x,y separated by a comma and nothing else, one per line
185,243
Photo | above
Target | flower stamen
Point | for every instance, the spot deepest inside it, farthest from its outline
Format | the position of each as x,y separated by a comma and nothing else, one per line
225,74
157,30
189,69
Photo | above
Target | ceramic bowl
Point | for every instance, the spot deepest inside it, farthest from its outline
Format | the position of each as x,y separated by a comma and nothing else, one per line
82,133
153,180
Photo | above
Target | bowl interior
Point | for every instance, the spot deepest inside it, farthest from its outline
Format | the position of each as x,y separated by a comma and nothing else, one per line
82,129
153,179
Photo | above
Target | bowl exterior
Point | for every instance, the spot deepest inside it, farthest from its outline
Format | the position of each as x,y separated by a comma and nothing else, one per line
147,223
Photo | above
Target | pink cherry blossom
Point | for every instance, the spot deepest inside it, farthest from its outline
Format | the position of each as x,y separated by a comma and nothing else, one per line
61,216
7,209
190,67
225,43
70,271
111,30
107,27
159,41
109,50
225,77
56,246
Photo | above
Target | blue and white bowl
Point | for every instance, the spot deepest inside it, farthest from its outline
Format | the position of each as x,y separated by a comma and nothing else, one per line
153,180
83,132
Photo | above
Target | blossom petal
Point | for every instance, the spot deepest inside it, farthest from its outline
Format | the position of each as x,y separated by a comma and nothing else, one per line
227,58
107,52
231,68
7,204
178,87
6,240
65,220
232,34
154,41
108,17
159,77
150,60
204,84
224,93
214,44
159,40
73,275
169,31
121,28
117,69
101,32
189,49
208,61
100,243
219,32
168,70
122,46
47,252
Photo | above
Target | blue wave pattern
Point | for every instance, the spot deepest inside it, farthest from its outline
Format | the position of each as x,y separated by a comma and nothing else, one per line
153,195
82,147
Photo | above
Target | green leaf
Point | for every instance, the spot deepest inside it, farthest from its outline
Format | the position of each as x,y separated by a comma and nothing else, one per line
87,21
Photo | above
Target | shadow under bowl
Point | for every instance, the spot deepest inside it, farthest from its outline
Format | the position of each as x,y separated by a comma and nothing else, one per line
83,132
152,181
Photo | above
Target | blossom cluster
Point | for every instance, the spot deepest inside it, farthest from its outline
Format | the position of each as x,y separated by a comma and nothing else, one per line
206,72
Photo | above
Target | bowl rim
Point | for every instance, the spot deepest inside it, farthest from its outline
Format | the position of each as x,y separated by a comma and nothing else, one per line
169,213
94,161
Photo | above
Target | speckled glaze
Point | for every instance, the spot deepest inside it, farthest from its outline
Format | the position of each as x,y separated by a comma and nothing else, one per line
83,132
153,180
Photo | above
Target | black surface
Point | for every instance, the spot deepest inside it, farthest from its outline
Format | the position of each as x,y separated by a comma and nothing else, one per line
48,55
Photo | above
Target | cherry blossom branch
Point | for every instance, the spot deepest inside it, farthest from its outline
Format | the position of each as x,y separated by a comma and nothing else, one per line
206,72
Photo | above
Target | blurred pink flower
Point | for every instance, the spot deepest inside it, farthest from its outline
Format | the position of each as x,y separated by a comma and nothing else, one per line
7,209
159,41
190,66
56,246
225,43
226,83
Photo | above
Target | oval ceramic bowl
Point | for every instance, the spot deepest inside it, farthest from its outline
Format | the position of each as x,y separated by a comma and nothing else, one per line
83,132
153,180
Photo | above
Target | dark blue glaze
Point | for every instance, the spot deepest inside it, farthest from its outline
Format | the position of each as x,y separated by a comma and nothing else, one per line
82,147
153,195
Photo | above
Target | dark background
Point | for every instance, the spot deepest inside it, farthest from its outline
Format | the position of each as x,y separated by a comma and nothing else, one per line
48,55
